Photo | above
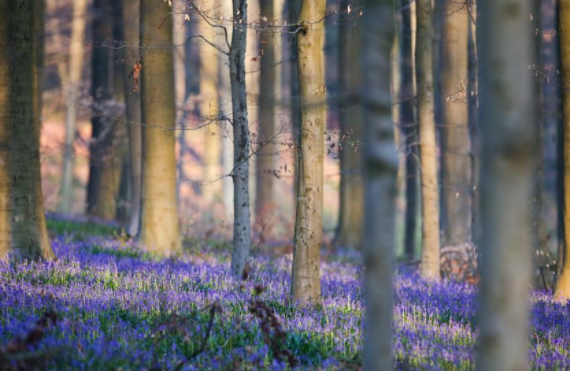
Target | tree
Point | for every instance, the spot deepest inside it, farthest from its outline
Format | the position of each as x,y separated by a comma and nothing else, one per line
428,145
456,146
103,183
408,127
349,228
563,284
380,168
23,231
209,100
509,144
131,36
306,278
240,173
159,213
76,58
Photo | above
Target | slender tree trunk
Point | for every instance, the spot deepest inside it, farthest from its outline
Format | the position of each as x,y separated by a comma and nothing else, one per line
23,231
131,35
563,284
266,156
349,228
509,144
408,127
76,58
209,102
456,149
102,184
428,145
380,166
306,276
242,218
159,209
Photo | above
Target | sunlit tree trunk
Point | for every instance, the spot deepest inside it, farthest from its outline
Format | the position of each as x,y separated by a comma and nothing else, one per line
456,146
349,229
76,58
159,210
509,149
380,168
131,36
563,284
267,160
23,231
102,184
242,218
428,145
306,277
209,101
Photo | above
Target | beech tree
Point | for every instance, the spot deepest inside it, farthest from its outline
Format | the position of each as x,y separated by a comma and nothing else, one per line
380,168
23,231
428,145
349,228
456,144
159,208
509,149
131,37
76,60
306,277
563,284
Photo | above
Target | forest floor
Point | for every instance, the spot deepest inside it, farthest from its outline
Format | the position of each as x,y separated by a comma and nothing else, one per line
105,305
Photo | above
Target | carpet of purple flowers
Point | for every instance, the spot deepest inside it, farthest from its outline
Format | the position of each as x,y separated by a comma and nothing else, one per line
120,309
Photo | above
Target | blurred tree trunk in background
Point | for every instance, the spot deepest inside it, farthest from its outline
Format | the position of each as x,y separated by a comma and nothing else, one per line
209,100
240,174
267,157
40,36
120,150
306,277
159,214
103,184
349,228
428,145
131,37
563,284
76,58
456,146
23,231
509,149
473,119
408,126
380,169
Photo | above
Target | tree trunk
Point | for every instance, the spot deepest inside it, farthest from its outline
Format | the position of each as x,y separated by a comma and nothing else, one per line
306,276
209,102
39,25
242,218
266,155
563,284
76,57
23,231
103,183
408,127
159,214
456,146
380,167
131,36
509,146
349,228
428,146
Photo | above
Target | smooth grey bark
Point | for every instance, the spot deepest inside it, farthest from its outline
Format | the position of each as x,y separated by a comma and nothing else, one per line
240,174
380,164
509,148
131,35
